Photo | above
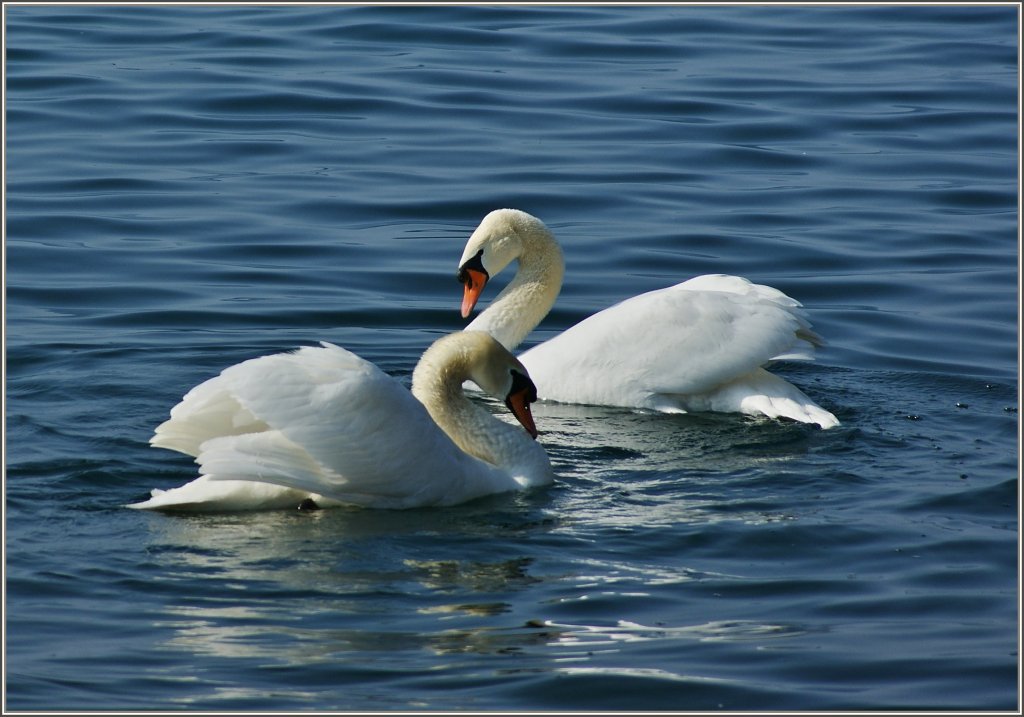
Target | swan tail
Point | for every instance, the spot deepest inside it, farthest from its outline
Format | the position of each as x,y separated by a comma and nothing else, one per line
804,411
206,495
764,393
758,393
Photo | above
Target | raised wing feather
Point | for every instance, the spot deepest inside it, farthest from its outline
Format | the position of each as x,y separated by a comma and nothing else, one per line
207,411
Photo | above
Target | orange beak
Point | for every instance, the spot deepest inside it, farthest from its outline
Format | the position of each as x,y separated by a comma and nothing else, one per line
519,404
474,282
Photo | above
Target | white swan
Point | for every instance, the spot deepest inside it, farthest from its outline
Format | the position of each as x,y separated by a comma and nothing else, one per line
321,424
697,346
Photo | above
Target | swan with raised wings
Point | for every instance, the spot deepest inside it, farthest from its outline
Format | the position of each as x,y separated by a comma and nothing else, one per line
700,345
321,426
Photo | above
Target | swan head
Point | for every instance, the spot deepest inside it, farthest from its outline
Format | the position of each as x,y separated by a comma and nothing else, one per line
495,244
494,369
478,357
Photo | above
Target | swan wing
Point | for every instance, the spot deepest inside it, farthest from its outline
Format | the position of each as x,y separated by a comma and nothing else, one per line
338,426
207,411
685,339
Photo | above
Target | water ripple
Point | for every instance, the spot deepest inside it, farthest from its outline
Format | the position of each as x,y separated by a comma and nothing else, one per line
189,187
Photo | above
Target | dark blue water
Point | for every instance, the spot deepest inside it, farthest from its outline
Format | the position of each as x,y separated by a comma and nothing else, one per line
189,187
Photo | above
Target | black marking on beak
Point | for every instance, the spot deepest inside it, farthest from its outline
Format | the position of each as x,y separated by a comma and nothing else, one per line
518,400
475,263
520,382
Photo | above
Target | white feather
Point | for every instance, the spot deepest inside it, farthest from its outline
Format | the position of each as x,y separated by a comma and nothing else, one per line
699,345
324,424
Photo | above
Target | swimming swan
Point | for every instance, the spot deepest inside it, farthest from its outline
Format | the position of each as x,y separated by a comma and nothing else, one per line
321,424
697,346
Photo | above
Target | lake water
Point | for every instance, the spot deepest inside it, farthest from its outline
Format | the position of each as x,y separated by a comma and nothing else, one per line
189,187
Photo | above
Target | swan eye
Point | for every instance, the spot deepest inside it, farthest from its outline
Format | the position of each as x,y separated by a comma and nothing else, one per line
475,264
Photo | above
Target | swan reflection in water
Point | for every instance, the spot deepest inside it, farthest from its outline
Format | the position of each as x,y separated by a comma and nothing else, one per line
355,585
300,587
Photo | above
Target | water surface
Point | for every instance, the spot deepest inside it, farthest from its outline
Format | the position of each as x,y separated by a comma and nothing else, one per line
189,187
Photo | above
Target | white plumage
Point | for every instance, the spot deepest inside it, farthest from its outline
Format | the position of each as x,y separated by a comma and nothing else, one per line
322,423
700,345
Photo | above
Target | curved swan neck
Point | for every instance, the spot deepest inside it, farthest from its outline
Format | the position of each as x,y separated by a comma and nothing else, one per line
437,384
528,298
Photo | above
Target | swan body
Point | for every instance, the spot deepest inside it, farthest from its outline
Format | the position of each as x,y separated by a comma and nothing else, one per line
322,424
700,345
